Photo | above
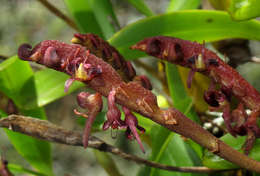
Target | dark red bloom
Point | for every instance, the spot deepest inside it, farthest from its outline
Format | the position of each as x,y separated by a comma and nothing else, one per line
131,124
113,114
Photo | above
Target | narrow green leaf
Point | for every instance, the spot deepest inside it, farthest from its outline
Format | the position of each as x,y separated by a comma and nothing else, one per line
175,5
49,85
145,122
17,169
93,16
213,161
141,7
16,81
239,9
83,15
169,148
107,163
181,100
105,17
194,25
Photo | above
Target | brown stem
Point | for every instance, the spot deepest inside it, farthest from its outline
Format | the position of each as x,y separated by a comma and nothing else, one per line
155,74
47,131
207,140
59,14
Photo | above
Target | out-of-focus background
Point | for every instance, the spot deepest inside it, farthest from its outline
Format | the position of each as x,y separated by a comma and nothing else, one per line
28,21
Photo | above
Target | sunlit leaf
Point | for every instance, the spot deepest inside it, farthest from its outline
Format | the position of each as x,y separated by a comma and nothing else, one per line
16,81
17,169
239,9
175,5
49,85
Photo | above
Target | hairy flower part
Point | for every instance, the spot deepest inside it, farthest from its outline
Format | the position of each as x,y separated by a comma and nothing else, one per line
144,81
4,171
93,103
200,59
74,59
131,124
70,57
104,50
113,114
109,54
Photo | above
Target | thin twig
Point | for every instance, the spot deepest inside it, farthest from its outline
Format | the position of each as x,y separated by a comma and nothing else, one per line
58,13
45,130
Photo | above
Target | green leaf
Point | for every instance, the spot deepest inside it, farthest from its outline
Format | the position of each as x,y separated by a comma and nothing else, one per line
16,81
93,16
107,163
175,5
105,17
169,148
181,100
49,85
141,7
35,151
195,25
239,9
145,122
29,90
213,161
17,169
84,16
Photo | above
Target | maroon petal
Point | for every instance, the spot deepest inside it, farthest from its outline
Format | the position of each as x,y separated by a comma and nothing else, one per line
132,124
87,129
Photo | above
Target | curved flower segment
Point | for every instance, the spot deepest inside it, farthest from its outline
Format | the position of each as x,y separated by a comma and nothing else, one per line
131,125
80,64
113,114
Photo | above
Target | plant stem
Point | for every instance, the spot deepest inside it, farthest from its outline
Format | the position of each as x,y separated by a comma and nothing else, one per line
45,130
